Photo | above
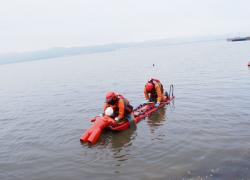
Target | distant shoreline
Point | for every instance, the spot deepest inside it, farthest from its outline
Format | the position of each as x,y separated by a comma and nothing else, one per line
11,58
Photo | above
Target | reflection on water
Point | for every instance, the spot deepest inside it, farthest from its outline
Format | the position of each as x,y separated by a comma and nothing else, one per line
121,143
117,139
157,119
122,139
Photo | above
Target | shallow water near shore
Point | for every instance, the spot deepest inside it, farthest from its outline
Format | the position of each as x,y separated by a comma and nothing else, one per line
46,106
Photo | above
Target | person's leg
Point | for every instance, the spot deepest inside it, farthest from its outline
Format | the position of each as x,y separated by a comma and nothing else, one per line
131,121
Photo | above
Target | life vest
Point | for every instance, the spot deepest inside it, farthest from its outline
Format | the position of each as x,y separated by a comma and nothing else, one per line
156,82
127,107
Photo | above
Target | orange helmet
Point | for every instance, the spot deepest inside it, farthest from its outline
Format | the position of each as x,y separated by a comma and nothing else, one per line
149,87
110,97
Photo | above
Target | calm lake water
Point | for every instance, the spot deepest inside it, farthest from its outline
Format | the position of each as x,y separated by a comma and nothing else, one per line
46,105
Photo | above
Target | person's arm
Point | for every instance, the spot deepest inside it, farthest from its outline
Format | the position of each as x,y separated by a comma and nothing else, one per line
146,94
121,109
159,94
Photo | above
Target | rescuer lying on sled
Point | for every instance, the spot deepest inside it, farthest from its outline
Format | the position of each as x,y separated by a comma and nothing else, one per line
122,110
154,92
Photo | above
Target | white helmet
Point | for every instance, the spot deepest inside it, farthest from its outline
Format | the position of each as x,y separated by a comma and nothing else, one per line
109,111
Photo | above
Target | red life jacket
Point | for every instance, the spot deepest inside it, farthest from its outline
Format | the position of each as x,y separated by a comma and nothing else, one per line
156,82
127,107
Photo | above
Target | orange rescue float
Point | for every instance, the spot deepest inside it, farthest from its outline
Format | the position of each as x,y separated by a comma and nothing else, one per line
99,123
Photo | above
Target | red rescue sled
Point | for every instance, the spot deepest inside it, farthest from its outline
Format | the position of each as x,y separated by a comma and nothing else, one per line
141,112
99,123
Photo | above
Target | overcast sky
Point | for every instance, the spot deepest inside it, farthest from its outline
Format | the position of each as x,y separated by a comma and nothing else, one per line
41,24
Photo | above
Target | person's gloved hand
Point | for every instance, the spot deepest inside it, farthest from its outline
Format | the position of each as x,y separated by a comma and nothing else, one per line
117,119
101,115
157,104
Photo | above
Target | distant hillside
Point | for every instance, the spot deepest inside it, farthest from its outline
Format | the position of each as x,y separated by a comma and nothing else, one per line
56,52
72,51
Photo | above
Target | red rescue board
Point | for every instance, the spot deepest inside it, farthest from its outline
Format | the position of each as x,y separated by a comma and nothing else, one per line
99,123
